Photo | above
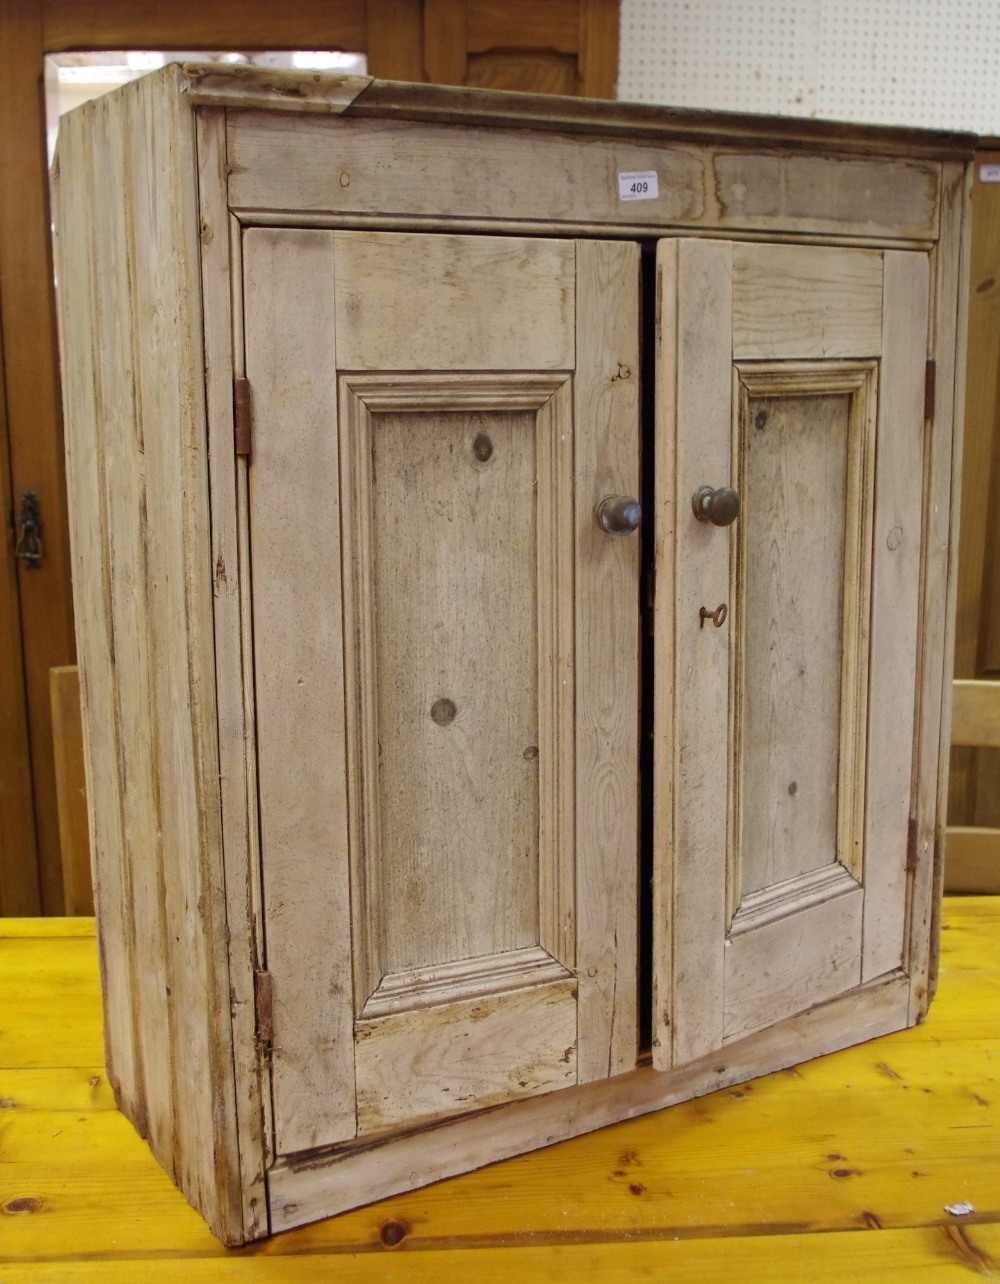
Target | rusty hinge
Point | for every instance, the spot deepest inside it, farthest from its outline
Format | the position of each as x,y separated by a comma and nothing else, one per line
263,1010
242,417
930,388
911,846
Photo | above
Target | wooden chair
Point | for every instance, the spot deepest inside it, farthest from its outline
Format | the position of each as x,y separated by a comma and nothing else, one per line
972,854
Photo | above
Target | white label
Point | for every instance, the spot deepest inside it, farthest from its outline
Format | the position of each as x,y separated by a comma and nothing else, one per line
638,185
989,173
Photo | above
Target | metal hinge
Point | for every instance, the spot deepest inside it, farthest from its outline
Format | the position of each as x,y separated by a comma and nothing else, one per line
242,417
930,388
263,1011
911,846
29,540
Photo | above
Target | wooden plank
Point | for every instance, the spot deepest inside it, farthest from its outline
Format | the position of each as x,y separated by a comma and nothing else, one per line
972,860
411,1066
896,624
71,790
771,971
395,39
19,888
387,284
793,301
491,23
251,86
323,1186
606,413
817,1148
288,286
229,24
691,661
598,48
34,425
445,41
975,712
154,494
792,631
230,561
948,1252
80,325
942,481
403,168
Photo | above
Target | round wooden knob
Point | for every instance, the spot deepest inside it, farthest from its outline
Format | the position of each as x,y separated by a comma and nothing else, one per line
618,514
720,507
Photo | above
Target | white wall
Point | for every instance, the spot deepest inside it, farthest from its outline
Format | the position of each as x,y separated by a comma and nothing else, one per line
934,63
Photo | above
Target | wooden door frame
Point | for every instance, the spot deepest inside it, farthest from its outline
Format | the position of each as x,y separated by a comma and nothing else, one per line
402,38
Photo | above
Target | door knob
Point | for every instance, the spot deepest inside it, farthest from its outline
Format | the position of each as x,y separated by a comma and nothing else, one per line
720,507
618,514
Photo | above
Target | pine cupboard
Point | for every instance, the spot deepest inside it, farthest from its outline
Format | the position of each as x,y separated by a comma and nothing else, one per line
513,545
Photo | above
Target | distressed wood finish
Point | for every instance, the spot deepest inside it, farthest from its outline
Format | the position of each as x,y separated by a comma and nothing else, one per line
398,169
368,851
456,766
144,604
821,542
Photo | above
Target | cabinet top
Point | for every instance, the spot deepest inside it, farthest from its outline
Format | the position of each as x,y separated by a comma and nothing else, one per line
272,89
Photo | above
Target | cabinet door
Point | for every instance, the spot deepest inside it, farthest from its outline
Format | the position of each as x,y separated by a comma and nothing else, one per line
445,656
785,717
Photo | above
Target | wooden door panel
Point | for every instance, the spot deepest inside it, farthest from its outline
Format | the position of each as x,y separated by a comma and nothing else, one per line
781,799
452,673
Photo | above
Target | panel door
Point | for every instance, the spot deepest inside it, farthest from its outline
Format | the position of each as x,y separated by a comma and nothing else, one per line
445,655
787,640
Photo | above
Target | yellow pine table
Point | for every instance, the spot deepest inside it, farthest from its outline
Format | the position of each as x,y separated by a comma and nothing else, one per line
840,1169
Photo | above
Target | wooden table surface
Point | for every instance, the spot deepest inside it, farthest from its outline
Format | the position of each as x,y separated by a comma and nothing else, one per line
840,1169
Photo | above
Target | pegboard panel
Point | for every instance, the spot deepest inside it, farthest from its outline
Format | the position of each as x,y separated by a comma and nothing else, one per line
900,62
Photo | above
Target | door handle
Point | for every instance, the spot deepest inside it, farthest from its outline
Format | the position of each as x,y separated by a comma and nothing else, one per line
720,507
618,514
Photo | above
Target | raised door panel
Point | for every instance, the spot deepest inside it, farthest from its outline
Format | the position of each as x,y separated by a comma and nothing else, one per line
785,718
445,656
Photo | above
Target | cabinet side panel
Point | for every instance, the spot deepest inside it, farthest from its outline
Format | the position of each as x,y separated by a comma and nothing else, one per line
161,895
942,481
79,335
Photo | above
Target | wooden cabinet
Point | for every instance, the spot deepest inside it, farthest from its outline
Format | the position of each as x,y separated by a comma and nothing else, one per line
434,821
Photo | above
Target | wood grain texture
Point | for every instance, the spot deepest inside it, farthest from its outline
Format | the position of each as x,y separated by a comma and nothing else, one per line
288,289
793,301
71,790
65,1145
694,410
793,484
79,323
305,24
786,966
898,540
399,168
422,1064
942,483
230,560
606,411
388,284
151,483
395,39
805,624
